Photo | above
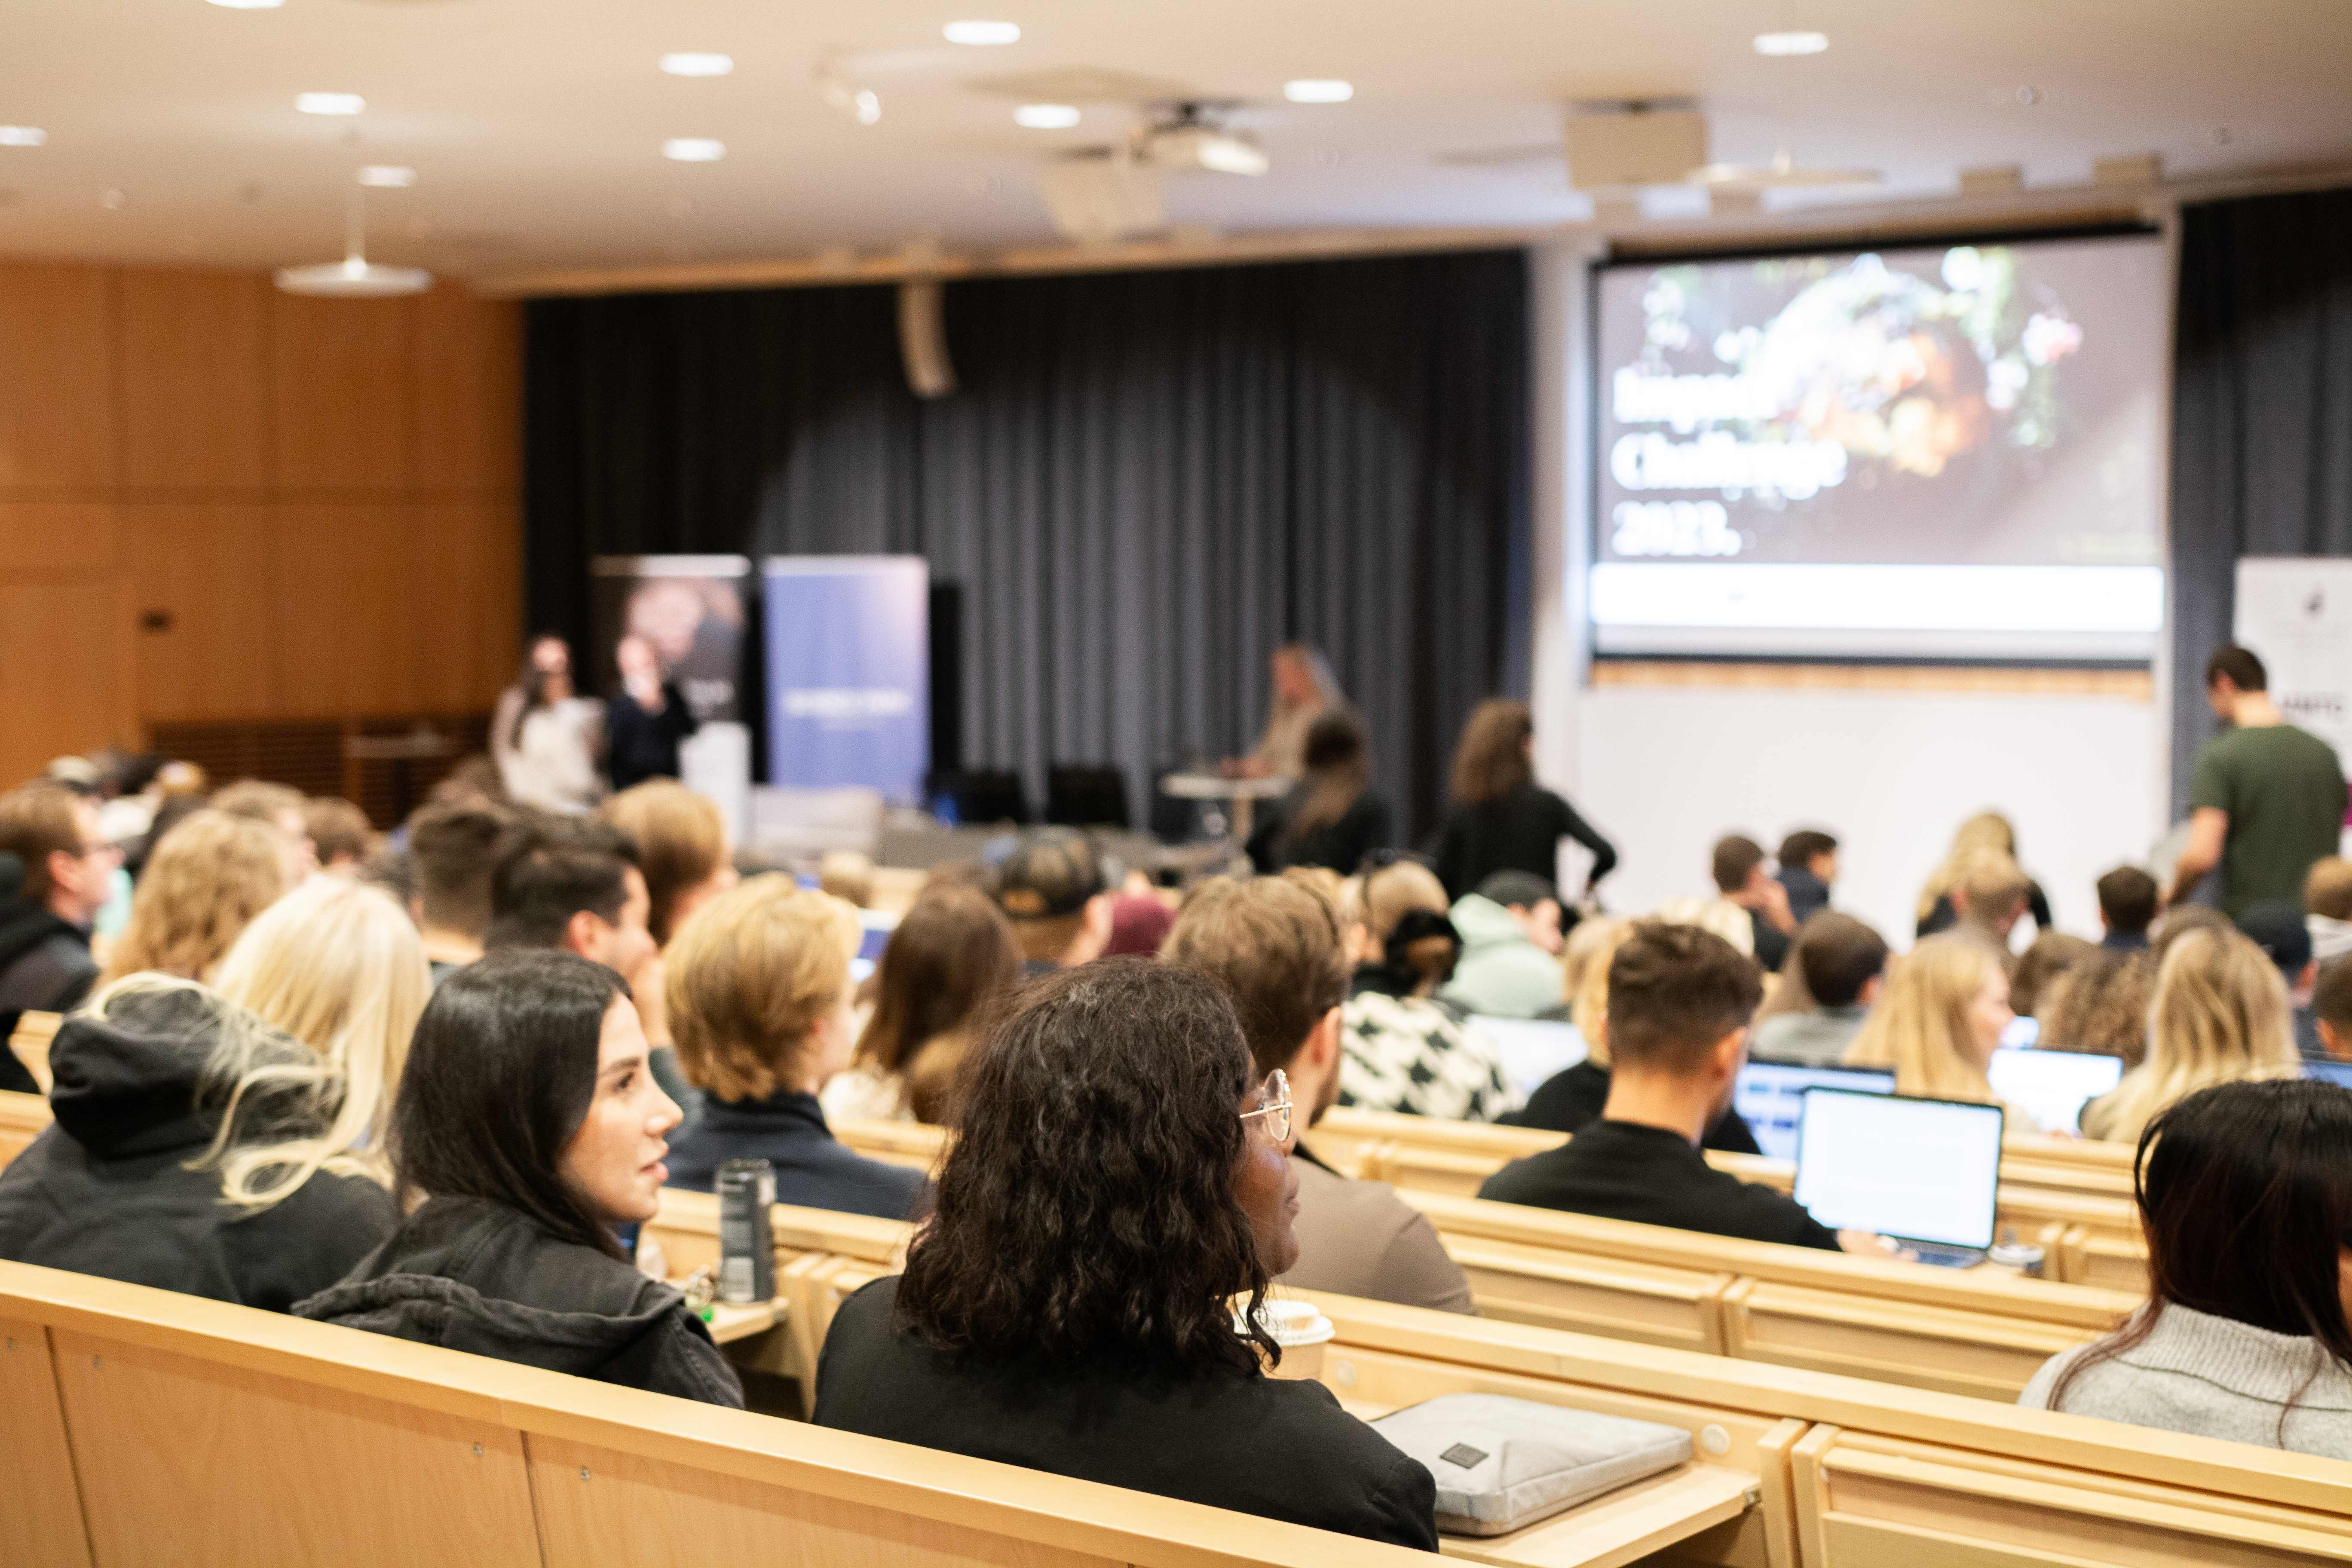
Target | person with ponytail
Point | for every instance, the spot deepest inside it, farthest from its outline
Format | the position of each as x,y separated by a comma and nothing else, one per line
1403,1049
2245,1194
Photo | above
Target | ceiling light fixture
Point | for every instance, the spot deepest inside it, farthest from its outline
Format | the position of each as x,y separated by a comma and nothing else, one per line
330,102
249,5
698,65
22,136
1792,43
1046,116
694,150
982,35
1313,89
387,176
354,277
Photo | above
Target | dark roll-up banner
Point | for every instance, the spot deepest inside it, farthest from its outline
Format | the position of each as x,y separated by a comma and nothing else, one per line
692,612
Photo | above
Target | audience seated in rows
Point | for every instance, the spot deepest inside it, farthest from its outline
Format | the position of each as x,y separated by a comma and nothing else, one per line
454,844
1574,1097
681,845
1840,963
1140,920
1987,831
2245,1197
2037,970
278,805
2220,1015
1809,866
527,1129
847,875
1276,947
229,1143
2327,908
760,1004
1121,1175
341,836
204,882
2128,902
1679,1001
951,957
1402,1049
55,873
1498,818
1938,1020
1053,889
1510,946
2100,1006
1988,895
1332,818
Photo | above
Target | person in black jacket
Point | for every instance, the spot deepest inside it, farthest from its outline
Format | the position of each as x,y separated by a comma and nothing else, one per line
1332,819
1501,819
144,1178
56,872
760,1005
646,718
530,1127
1122,1174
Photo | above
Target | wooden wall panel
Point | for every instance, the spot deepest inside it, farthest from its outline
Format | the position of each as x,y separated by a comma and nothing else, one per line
466,597
56,403
42,539
468,389
343,373
346,623
65,669
42,1522
195,380
209,571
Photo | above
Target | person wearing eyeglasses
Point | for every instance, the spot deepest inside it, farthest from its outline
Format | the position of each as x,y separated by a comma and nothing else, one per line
1104,1229
56,871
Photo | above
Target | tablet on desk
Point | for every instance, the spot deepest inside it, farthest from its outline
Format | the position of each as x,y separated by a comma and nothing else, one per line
1924,1171
2053,1086
1771,1098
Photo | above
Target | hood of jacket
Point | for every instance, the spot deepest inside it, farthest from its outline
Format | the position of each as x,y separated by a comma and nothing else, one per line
24,925
1486,925
126,1084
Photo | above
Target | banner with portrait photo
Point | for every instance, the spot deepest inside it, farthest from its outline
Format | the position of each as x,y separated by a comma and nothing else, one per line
691,613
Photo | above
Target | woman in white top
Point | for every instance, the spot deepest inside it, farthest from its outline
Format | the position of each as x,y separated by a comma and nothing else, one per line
1304,690
546,737
2245,1191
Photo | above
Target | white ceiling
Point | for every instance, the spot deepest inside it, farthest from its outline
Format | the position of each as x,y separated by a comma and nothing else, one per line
535,125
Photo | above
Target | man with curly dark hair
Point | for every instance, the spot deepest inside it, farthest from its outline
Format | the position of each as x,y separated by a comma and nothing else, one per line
1122,1176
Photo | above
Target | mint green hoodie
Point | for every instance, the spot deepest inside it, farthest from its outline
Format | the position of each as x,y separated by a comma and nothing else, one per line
1501,973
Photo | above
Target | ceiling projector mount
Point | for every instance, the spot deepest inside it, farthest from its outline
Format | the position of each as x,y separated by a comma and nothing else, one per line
1190,134
1116,190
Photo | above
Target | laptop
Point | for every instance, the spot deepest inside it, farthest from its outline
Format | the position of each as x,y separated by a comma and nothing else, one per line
2053,1086
2333,1072
2024,1032
1923,1171
873,935
1533,1048
1771,1098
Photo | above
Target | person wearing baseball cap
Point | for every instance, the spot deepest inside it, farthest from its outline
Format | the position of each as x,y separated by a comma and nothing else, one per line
1052,888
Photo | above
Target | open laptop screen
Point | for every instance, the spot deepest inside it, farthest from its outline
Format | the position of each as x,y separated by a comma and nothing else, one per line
1917,1170
1533,1048
2053,1086
1771,1098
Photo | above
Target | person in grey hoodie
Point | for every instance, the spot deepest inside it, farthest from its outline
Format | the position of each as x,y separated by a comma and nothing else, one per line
531,1126
1510,935
2246,1192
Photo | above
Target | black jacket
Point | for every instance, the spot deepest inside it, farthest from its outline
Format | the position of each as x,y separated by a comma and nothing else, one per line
1279,1448
812,1169
642,745
107,1191
1339,844
1516,832
1573,1097
469,1275
45,967
1622,1169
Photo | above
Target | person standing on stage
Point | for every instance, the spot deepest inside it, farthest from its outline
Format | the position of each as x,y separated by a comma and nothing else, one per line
2266,799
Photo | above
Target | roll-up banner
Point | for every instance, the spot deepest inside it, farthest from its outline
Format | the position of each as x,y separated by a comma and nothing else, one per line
849,702
690,611
2296,611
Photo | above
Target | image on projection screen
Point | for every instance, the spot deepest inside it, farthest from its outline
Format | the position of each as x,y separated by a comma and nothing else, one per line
1950,451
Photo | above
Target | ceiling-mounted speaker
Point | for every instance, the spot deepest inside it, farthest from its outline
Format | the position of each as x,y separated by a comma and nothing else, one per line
1637,141
923,338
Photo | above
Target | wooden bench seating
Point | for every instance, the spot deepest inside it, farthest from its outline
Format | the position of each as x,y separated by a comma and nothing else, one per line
31,1043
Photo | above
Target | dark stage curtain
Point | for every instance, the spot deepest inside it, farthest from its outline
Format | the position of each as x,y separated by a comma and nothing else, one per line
2261,434
1146,483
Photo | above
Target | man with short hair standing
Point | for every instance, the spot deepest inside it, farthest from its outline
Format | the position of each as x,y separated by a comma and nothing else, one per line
2266,799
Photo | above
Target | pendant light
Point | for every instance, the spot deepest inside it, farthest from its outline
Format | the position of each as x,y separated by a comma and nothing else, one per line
354,277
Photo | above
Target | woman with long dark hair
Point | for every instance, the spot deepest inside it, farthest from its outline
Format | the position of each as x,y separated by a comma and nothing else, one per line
529,1128
1499,818
952,954
1121,1178
1332,819
2246,1192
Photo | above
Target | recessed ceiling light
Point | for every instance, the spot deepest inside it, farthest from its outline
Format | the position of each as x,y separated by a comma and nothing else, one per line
698,65
694,149
330,102
387,176
1314,90
249,5
1792,43
983,34
1046,116
867,105
22,136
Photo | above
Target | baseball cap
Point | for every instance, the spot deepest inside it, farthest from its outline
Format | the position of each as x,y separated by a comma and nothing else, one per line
1052,872
2276,926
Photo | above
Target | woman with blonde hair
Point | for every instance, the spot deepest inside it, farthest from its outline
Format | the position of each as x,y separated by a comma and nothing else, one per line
1939,1017
681,841
1499,817
195,1149
202,884
1987,830
760,1004
337,966
1402,1049
2220,1014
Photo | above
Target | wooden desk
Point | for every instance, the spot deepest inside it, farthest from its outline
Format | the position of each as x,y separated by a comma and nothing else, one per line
729,1321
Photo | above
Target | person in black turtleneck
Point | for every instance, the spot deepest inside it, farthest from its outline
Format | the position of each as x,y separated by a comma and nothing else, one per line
760,999
1500,819
55,871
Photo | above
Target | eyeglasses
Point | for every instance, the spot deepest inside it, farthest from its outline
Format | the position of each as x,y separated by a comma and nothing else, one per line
1274,1104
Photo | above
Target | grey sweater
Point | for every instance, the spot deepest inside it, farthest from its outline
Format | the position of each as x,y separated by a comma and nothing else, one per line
2214,1378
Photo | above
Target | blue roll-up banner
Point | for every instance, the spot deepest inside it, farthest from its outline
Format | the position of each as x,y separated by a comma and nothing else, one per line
849,667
